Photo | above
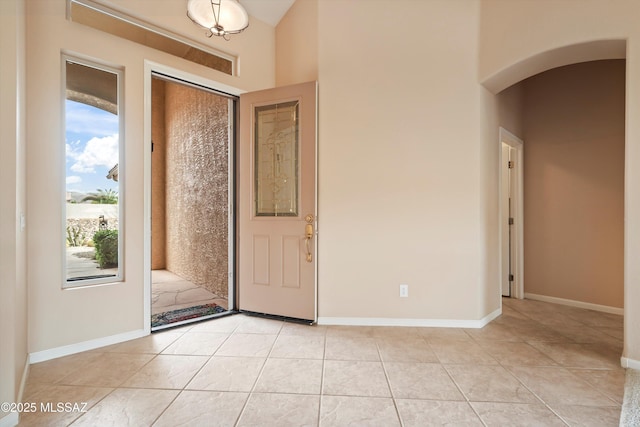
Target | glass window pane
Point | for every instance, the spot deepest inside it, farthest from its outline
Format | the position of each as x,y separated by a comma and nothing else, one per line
92,142
276,160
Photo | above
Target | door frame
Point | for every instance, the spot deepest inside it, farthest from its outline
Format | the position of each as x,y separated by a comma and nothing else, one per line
506,137
150,68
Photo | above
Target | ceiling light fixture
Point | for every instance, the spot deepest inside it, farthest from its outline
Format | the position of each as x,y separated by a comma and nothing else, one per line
218,17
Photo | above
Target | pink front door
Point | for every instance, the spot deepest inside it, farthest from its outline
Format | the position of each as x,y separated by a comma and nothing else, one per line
277,202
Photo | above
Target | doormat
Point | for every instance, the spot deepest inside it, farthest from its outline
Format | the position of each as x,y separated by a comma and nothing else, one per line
181,314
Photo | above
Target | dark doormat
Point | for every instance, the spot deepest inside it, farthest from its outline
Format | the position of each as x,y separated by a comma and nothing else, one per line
181,314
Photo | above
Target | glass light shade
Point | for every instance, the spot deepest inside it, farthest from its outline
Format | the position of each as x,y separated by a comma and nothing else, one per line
232,18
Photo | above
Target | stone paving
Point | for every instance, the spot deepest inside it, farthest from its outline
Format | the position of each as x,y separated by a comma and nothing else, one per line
172,292
168,290
80,264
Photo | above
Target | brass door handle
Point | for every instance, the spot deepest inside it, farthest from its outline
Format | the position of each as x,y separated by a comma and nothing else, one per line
308,235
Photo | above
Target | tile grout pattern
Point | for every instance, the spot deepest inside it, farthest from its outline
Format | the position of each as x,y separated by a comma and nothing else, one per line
537,364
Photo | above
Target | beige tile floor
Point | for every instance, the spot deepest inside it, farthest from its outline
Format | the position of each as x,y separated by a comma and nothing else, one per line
172,292
538,364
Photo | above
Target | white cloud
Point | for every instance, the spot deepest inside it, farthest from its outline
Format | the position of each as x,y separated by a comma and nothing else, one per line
97,152
74,179
84,119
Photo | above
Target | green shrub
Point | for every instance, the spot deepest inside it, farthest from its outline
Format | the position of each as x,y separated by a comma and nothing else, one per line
106,244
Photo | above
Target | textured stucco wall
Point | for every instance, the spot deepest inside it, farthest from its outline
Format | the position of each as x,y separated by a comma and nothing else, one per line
197,136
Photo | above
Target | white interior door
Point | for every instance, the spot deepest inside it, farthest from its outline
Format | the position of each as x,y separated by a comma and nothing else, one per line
511,215
505,203
277,202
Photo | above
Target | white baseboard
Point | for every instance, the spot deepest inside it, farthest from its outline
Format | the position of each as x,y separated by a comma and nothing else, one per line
630,363
573,303
53,353
10,420
429,323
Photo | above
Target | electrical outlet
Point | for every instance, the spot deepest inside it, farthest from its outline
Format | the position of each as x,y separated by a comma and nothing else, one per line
404,291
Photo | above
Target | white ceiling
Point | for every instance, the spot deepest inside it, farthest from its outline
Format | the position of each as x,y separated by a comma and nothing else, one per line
269,11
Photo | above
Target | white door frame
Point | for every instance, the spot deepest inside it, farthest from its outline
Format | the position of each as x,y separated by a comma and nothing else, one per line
149,68
518,213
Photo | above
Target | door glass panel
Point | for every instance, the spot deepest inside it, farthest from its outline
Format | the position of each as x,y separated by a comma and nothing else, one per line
276,160
93,182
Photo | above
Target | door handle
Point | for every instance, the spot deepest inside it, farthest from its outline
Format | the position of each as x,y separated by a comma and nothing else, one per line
308,235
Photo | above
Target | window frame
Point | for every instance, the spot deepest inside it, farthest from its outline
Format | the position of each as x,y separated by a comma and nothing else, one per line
119,72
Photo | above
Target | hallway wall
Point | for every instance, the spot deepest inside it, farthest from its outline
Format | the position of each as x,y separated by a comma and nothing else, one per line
13,257
574,182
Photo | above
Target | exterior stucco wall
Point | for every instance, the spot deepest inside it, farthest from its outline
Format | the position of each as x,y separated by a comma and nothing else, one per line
197,184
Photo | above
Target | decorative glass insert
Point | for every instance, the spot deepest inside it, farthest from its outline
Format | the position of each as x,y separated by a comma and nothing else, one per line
276,160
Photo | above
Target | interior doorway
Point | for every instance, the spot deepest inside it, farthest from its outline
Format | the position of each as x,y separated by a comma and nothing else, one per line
192,221
511,215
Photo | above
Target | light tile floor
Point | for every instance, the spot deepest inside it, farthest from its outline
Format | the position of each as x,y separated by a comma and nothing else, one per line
172,292
537,364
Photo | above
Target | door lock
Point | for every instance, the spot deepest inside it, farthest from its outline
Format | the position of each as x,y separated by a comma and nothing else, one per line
308,235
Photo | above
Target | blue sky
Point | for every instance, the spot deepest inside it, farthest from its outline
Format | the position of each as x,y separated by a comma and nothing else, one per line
91,147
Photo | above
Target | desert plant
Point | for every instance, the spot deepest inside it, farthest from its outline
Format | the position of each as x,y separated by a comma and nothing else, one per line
75,237
106,244
103,197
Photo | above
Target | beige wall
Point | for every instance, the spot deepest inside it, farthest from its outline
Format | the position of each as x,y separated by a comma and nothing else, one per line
60,317
407,165
502,110
400,181
510,109
297,44
197,186
574,183
13,273
517,40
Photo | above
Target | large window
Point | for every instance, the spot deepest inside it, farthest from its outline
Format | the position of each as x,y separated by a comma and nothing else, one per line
93,166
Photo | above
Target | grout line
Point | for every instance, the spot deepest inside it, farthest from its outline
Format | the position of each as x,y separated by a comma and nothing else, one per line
321,392
386,375
464,395
253,387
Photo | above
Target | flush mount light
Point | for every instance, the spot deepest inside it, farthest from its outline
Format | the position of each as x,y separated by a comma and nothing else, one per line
218,17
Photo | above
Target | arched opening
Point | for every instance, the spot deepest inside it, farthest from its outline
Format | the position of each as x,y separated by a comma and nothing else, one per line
560,57
571,54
